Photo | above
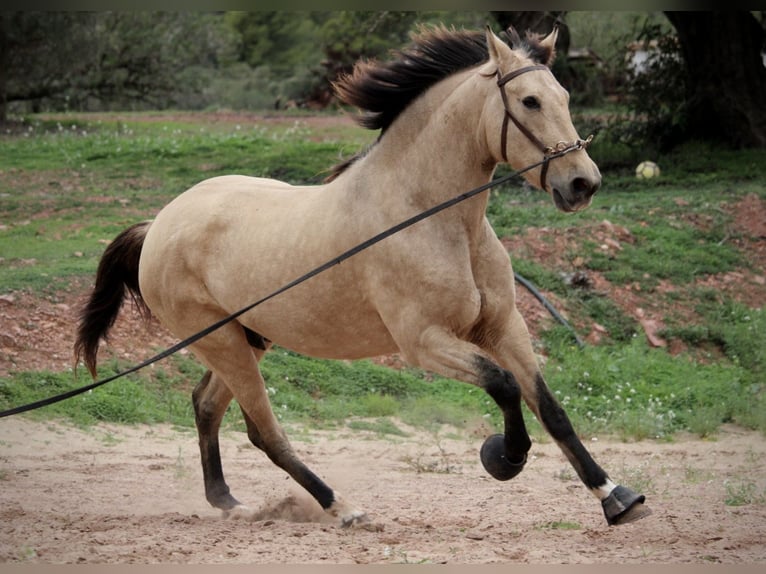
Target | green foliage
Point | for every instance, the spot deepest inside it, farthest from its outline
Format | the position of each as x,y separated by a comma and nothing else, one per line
646,392
680,252
656,95
118,173
739,331
128,401
380,426
283,41
75,60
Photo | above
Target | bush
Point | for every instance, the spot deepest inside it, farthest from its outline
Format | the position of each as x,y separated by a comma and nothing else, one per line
655,95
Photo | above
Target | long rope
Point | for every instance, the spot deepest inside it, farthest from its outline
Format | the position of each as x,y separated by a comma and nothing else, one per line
303,278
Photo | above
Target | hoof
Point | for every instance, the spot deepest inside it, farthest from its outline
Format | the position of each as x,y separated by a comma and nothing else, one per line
623,506
494,461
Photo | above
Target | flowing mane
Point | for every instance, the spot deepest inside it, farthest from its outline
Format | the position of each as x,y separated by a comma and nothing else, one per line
383,90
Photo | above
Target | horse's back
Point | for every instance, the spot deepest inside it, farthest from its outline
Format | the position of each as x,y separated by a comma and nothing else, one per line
230,240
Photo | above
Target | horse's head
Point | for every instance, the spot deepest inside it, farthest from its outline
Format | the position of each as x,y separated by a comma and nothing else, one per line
527,118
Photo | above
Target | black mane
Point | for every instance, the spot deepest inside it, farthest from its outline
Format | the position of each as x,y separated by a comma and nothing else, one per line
383,90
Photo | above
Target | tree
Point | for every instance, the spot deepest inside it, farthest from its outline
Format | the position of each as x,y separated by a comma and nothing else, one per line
39,54
349,36
283,41
70,58
726,78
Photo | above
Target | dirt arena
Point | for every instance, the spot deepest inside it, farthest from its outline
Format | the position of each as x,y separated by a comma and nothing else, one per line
116,494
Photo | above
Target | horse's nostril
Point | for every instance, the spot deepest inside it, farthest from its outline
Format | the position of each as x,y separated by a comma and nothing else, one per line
582,186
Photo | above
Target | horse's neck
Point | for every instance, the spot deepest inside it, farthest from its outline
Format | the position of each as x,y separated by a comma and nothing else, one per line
434,151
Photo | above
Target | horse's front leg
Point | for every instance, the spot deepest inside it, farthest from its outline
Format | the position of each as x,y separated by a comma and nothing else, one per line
514,353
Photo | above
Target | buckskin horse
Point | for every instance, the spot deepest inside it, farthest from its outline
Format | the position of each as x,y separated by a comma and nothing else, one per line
450,108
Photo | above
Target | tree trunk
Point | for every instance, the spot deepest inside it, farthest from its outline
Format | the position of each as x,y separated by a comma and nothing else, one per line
727,78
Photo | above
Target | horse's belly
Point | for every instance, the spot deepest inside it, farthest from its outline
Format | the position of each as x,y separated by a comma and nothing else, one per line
323,325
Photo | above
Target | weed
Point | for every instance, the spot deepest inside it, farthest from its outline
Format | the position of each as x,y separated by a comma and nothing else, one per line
559,525
441,464
694,475
180,470
565,474
379,426
742,493
27,553
637,478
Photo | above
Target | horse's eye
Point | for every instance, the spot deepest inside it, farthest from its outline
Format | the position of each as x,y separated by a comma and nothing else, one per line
531,103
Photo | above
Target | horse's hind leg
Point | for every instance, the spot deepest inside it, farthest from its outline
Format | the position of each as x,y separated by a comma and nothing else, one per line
211,399
235,367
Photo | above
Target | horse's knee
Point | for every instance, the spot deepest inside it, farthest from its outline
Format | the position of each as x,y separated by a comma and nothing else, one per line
498,383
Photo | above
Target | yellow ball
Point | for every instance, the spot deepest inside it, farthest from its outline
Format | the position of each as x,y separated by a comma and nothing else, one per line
647,169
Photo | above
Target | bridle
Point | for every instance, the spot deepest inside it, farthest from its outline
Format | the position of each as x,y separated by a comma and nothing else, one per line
548,151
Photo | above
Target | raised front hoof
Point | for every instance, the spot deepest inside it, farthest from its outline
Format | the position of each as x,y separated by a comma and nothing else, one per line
623,506
494,460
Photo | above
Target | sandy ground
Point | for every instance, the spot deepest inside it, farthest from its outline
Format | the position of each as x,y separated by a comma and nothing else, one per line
116,494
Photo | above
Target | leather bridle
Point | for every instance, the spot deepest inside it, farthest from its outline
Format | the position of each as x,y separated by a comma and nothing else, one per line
547,151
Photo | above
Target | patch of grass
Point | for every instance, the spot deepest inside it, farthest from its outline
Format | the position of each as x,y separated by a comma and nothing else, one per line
559,525
639,391
680,252
68,188
129,401
384,426
743,493
738,330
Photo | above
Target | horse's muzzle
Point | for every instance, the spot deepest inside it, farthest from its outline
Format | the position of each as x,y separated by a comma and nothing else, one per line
577,195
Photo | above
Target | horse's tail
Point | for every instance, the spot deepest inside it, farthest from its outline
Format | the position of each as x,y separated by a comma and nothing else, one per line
117,273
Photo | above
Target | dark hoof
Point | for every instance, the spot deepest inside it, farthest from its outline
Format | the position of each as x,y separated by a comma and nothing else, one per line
623,506
494,461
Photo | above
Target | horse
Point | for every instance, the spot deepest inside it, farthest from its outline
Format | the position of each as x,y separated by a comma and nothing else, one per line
450,107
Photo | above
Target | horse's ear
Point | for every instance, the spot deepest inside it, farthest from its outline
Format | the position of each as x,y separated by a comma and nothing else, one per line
493,46
500,54
548,47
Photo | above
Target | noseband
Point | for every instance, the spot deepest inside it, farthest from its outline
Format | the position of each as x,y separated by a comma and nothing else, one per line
547,151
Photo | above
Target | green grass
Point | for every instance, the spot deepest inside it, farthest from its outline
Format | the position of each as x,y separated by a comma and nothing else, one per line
69,186
637,391
130,400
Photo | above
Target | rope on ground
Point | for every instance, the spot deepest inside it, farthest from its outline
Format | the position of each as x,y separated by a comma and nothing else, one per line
551,309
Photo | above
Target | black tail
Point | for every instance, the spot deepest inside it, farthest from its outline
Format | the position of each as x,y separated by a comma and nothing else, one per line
117,272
